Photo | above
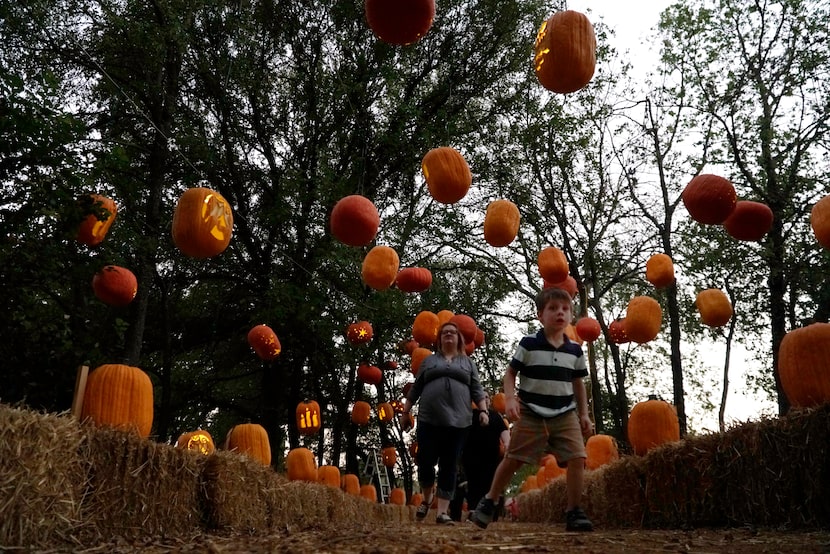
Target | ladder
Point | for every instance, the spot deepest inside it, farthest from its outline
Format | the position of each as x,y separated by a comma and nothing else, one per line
374,467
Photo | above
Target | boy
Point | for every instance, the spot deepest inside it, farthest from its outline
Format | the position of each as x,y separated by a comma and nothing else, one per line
549,409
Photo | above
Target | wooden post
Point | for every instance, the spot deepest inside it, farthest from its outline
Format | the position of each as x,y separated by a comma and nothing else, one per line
80,388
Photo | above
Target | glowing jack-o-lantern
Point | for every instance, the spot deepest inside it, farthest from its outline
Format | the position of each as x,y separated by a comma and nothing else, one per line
359,333
308,417
198,441
264,342
389,456
202,223
93,229
385,412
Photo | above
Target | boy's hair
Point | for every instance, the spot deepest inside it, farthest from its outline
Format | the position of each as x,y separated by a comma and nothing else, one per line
552,293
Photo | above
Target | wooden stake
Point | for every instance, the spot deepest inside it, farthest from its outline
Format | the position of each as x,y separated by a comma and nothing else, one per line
80,388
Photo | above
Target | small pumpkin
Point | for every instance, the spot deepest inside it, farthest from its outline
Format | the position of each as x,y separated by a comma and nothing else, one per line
300,465
115,285
499,402
380,267
397,496
570,332
329,475
749,221
361,412
529,484
369,492
351,484
264,341
250,439
820,221
709,199
600,450
94,227
425,328
501,222
617,333
447,174
565,52
198,441
309,418
414,279
660,270
714,307
399,22
407,346
643,319
120,396
388,456
553,265
652,423
804,365
588,329
369,374
416,499
354,220
568,285
202,223
360,332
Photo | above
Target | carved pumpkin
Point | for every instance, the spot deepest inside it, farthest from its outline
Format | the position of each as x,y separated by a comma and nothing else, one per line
119,396
643,319
359,333
749,221
651,424
568,285
709,199
660,270
369,374
553,266
400,22
425,328
804,365
94,228
264,341
447,174
351,484
386,412
414,279
714,307
501,223
565,53
397,496
300,465
114,285
369,492
617,333
202,223
309,418
588,329
361,412
820,221
380,267
601,450
354,220
418,356
250,439
198,441
329,475
389,456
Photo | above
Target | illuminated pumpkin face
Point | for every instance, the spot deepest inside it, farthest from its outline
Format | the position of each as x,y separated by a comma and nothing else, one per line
359,333
385,412
198,441
202,223
264,342
308,417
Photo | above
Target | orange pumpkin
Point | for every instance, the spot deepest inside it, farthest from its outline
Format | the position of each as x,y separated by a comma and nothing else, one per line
568,285
309,418
660,270
385,412
300,465
553,266
643,319
820,221
601,450
351,484
329,475
425,328
565,52
114,285
380,267
529,484
588,329
749,221
198,441
416,499
714,307
389,455
414,279
447,174
354,220
369,374
264,341
250,439
804,365
466,325
617,333
361,412
418,356
202,223
501,223
399,22
407,346
499,402
119,396
369,492
359,333
93,229
709,199
397,496
652,423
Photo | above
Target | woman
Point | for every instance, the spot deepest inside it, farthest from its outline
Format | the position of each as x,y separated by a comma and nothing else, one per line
446,384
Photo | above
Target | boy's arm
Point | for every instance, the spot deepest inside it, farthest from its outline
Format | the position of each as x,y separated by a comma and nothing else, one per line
511,402
581,396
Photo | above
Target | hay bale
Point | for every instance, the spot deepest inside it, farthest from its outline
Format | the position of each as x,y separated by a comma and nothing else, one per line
239,493
41,477
615,494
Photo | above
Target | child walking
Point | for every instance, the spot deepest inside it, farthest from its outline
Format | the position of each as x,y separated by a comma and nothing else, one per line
549,408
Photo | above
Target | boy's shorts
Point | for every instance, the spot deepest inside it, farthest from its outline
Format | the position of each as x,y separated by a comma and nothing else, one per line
532,437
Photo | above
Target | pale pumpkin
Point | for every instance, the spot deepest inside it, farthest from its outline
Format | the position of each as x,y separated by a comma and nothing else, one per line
660,270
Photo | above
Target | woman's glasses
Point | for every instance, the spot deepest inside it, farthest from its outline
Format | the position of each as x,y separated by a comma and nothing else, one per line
449,332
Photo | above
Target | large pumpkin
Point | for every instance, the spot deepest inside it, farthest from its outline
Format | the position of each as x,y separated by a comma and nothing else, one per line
202,223
447,174
250,439
804,365
119,396
354,220
565,53
198,441
709,199
466,325
300,465
588,329
601,450
643,319
660,270
414,279
820,221
264,341
714,307
501,222
309,418
399,22
380,267
652,423
553,265
93,229
115,285
749,221
425,328
360,332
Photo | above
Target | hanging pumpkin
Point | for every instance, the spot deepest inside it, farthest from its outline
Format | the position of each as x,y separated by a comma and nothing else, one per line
369,492
643,319
565,52
399,22
359,333
568,285
617,333
501,223
386,412
198,441
380,267
114,285
119,396
804,365
369,374
444,316
820,221
94,228
397,496
553,266
407,346
570,332
202,223
264,341
329,475
709,199
714,307
749,221
354,220
588,329
351,484
361,412
309,418
425,328
418,356
300,465
466,326
250,439
660,270
600,450
389,456
479,338
414,279
652,423
447,174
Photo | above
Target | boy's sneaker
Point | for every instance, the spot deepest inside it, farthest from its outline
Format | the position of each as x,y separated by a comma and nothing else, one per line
423,510
576,520
483,514
444,519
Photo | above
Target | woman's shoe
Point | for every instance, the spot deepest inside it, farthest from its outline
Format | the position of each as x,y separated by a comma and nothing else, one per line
444,519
